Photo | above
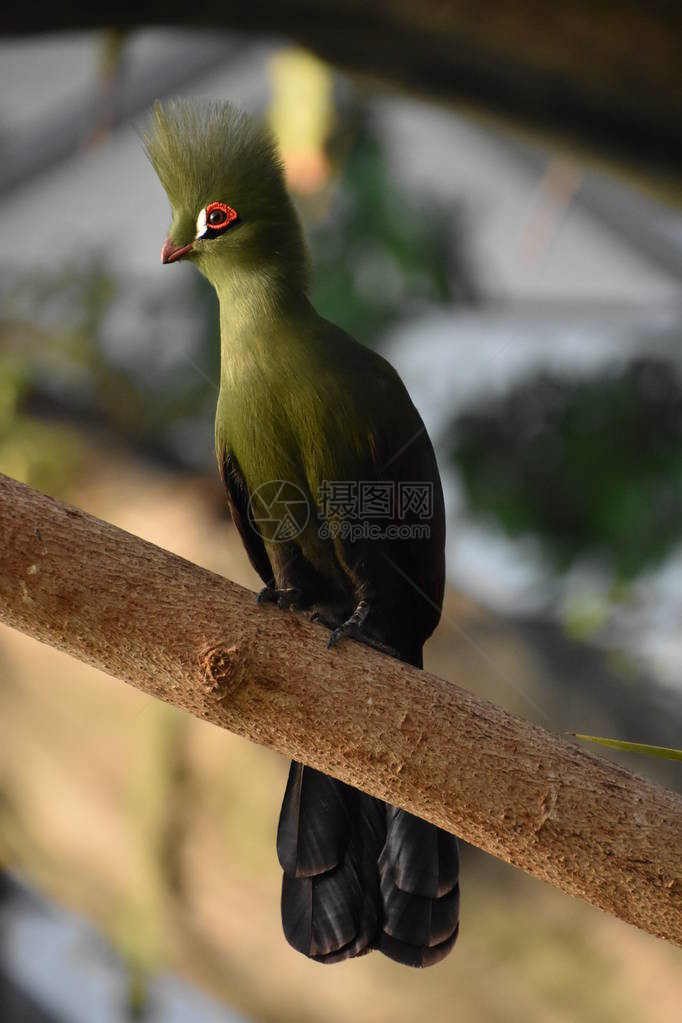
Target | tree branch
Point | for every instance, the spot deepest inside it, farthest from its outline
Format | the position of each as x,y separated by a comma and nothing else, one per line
200,642
566,66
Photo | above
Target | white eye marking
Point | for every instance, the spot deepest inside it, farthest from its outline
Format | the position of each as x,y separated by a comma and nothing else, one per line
201,225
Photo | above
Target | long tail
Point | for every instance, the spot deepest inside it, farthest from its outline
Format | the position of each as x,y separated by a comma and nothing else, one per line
360,874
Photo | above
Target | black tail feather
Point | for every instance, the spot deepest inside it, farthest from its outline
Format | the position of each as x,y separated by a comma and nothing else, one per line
328,842
415,955
314,824
421,858
419,868
415,919
360,874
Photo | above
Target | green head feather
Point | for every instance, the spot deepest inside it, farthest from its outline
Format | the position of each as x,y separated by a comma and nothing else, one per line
207,151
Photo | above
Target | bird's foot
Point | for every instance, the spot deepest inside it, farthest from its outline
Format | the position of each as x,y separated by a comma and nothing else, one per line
286,598
353,629
319,619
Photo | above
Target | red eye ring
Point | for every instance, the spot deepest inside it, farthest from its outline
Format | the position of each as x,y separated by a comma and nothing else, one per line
220,224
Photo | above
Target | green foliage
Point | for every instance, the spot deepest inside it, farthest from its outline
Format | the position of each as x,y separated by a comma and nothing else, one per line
76,347
40,455
383,251
592,466
665,752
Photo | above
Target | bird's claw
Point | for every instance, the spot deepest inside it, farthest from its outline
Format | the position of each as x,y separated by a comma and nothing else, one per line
319,619
352,629
284,599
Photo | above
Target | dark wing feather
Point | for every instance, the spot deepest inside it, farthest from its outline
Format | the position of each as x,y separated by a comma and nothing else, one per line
402,453
238,502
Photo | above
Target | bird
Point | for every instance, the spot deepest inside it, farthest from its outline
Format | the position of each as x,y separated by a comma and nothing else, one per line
321,451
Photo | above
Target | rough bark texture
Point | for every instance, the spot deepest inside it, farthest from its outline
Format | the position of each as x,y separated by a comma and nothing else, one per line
196,640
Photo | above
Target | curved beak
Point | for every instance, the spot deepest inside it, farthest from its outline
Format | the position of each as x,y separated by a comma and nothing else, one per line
170,253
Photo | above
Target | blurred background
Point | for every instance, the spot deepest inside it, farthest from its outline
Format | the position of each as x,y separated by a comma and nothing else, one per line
493,201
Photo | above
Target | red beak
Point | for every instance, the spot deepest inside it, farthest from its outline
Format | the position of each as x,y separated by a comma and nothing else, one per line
170,253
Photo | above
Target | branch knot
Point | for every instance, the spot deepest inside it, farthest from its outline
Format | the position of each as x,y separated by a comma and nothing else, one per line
220,671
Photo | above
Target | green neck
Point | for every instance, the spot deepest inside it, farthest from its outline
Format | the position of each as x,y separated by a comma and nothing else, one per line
261,316
250,298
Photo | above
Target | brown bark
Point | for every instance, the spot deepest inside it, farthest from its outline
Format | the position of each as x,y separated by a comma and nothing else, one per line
200,642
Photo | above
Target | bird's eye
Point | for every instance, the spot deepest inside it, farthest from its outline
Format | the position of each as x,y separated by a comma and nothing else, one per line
215,219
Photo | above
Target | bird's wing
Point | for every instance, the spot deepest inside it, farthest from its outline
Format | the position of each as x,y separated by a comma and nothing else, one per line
404,453
406,572
238,502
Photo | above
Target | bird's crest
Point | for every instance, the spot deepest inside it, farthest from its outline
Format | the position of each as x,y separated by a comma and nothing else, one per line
199,148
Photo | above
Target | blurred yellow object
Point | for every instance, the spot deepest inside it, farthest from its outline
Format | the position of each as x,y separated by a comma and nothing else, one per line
302,115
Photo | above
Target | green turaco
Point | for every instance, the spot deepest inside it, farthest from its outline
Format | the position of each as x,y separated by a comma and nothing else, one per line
333,486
